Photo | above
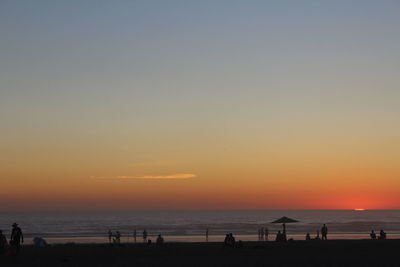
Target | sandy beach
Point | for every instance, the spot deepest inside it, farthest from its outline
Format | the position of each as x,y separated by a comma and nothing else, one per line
296,253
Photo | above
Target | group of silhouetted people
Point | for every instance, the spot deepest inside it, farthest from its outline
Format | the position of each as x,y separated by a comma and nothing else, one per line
263,234
16,239
281,236
229,240
382,235
324,234
114,238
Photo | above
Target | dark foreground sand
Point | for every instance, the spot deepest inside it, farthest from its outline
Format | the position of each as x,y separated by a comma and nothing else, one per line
296,253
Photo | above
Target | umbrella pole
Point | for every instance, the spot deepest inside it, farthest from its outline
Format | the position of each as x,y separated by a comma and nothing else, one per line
284,232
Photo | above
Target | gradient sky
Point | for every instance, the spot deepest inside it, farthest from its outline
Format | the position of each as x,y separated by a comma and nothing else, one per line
199,104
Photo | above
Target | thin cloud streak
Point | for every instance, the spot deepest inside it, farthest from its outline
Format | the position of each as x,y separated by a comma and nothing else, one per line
170,176
151,177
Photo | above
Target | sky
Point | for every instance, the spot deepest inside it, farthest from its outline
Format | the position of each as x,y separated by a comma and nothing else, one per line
199,104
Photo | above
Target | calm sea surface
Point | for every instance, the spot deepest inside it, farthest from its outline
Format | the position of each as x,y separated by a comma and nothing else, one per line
61,227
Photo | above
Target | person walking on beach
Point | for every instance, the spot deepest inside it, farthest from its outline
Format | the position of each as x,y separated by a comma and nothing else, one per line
16,238
144,236
262,233
134,235
324,232
266,233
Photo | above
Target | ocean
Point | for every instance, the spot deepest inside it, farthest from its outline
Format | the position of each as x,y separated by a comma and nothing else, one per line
190,226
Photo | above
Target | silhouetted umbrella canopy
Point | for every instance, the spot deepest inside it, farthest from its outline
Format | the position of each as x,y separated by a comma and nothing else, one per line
285,219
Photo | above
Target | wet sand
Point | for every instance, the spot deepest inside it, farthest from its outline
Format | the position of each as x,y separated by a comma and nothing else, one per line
296,253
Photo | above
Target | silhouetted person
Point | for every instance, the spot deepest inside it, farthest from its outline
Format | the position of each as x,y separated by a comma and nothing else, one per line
324,232
382,235
207,235
134,235
110,234
160,240
229,240
3,243
262,233
226,240
308,237
317,237
372,235
266,234
144,236
279,237
117,238
16,238
232,240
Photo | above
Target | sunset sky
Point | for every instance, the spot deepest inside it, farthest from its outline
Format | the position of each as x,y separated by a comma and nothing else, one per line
199,104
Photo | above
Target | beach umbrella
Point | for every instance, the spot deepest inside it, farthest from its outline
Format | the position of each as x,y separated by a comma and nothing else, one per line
285,219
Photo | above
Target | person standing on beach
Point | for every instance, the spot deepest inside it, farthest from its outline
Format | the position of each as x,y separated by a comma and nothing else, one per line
324,232
110,234
134,235
382,235
372,234
16,237
266,233
144,236
308,237
118,238
262,233
3,243
279,237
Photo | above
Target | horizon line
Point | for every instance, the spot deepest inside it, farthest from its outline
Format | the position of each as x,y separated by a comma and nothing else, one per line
174,210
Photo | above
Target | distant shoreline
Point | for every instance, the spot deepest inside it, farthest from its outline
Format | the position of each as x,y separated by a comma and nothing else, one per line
199,238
